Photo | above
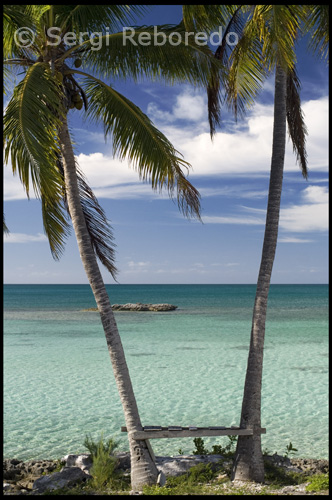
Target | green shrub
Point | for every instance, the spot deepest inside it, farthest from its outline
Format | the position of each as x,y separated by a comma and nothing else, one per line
94,447
104,464
319,482
199,447
226,451
290,449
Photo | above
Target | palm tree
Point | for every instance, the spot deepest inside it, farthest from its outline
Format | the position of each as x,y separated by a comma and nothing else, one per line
267,36
39,144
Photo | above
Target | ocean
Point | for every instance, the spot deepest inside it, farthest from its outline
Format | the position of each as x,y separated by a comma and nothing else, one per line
187,366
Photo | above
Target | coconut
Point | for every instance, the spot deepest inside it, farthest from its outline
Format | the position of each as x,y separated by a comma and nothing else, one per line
79,105
76,97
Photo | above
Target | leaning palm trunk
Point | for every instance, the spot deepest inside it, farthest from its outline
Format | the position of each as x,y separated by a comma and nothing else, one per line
248,463
143,469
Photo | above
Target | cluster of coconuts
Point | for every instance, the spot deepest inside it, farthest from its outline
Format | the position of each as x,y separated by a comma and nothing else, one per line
76,100
74,96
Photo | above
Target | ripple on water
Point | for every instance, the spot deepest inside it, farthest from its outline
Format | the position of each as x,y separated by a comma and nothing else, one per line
64,388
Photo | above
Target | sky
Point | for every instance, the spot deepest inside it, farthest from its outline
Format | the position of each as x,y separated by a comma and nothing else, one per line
155,243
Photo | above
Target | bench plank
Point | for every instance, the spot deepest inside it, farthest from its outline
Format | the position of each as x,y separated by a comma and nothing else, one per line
155,432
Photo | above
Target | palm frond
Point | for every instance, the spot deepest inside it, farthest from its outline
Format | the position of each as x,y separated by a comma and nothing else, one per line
98,226
7,75
5,228
31,119
217,88
206,17
29,19
186,62
296,127
96,18
247,71
55,224
317,24
278,27
14,17
135,137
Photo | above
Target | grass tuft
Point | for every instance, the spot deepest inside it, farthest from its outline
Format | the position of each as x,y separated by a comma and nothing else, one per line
318,482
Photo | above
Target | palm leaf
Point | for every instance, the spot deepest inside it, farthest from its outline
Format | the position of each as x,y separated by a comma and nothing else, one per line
99,229
14,17
30,140
30,123
135,137
217,88
296,127
278,27
187,62
5,228
317,24
30,19
247,72
55,224
96,18
206,17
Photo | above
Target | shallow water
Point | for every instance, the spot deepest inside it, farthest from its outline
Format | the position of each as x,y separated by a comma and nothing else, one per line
187,366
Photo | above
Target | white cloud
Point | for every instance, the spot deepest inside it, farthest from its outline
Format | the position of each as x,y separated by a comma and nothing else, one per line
240,219
188,106
238,191
24,238
247,152
140,264
315,194
137,267
289,239
13,189
304,218
312,215
82,136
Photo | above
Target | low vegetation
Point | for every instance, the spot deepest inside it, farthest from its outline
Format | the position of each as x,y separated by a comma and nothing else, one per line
202,479
319,482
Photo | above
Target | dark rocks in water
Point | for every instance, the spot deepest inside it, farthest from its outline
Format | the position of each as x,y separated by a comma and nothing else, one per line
139,307
144,307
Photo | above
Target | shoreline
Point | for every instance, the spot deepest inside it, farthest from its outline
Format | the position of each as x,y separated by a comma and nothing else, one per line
30,477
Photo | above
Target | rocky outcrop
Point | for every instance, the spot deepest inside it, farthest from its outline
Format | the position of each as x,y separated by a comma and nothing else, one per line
20,476
66,478
311,466
139,307
175,466
83,461
37,477
144,307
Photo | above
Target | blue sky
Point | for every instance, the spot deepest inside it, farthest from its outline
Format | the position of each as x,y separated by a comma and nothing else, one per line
155,243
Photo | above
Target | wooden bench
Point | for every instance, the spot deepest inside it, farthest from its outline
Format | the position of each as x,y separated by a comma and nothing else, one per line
158,432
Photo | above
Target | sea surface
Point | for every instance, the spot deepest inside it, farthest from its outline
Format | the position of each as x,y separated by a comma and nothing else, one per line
187,367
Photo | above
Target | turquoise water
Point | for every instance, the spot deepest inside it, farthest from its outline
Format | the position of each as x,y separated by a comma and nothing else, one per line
187,366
